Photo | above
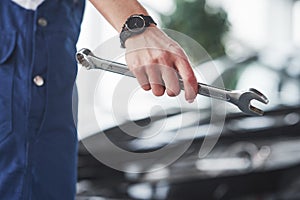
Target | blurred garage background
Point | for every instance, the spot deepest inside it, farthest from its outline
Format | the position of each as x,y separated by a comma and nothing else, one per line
252,43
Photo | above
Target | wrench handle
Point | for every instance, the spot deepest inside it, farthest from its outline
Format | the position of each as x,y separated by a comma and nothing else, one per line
210,91
214,92
89,61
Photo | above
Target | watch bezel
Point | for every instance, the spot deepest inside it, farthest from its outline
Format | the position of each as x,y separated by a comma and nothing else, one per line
138,29
127,32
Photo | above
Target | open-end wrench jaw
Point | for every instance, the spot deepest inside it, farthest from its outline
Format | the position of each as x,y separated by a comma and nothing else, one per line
82,58
242,99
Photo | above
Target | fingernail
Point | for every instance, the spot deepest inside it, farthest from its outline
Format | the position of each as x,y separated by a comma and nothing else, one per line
190,100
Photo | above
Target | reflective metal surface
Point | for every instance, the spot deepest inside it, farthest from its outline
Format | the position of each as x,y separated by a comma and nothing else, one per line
240,98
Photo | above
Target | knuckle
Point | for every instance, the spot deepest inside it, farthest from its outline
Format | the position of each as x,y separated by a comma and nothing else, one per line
157,58
150,61
190,79
162,57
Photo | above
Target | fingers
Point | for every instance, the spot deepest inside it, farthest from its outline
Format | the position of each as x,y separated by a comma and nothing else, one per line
170,78
155,79
159,78
160,70
188,78
141,76
150,77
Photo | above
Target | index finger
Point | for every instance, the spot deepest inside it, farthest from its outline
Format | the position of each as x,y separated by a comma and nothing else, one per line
188,78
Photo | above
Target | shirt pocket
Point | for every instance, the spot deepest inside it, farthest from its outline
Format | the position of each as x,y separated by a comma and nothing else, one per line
8,42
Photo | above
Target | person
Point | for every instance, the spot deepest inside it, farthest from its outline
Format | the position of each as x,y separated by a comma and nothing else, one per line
38,139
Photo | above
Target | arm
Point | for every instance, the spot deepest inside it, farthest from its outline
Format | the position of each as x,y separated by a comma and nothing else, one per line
153,57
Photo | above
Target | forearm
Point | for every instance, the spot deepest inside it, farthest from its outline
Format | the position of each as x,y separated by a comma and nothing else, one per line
159,60
117,11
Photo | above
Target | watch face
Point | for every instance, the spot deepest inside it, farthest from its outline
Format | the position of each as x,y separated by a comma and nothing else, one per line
136,23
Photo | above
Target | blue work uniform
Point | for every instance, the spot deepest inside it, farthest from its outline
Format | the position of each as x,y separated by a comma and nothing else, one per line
38,139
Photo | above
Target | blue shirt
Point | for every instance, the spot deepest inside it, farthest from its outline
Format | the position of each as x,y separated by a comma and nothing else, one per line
38,139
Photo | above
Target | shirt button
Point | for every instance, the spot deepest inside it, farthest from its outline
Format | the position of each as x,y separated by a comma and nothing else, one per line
42,22
38,81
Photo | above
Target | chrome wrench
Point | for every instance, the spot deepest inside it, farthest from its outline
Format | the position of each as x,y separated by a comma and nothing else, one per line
242,99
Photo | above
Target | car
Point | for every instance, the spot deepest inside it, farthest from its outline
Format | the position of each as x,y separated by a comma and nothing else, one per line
246,157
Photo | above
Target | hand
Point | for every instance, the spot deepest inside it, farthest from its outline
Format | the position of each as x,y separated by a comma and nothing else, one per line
156,60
